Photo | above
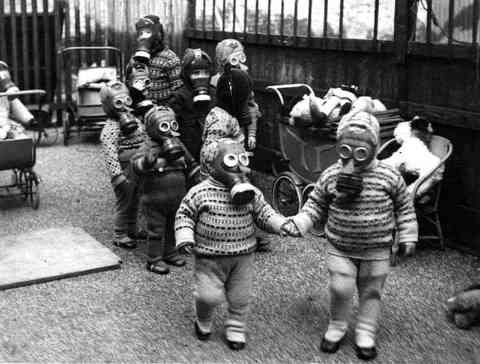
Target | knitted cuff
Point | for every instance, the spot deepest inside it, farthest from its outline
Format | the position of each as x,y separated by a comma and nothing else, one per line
184,236
118,179
275,222
303,222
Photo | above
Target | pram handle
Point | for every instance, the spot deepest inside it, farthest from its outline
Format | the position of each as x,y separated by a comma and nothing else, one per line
24,92
277,89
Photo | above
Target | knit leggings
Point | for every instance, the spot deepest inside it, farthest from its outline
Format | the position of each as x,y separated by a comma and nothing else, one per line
223,278
368,276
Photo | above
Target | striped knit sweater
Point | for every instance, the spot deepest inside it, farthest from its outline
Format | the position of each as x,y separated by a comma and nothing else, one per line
165,69
368,220
208,219
119,148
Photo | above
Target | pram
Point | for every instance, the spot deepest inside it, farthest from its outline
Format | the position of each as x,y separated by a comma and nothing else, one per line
85,112
306,153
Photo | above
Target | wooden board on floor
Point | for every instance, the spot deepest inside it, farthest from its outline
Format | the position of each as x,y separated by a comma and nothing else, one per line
50,254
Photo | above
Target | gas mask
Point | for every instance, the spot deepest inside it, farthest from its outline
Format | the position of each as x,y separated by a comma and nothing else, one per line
230,167
356,156
162,128
116,102
149,37
238,60
139,84
196,71
6,83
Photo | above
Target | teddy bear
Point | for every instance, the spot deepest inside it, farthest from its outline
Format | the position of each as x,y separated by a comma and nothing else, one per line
463,308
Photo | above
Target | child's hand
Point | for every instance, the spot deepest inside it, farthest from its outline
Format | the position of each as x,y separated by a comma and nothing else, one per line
290,229
251,142
186,249
407,249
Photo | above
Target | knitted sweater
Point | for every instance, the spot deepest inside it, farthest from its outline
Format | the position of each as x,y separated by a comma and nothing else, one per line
119,148
208,219
165,69
368,221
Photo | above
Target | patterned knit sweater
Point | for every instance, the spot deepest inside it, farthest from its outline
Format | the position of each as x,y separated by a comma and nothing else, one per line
208,219
368,221
165,69
119,148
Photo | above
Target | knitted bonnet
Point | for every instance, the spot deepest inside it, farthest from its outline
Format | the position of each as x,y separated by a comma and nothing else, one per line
109,92
224,49
361,126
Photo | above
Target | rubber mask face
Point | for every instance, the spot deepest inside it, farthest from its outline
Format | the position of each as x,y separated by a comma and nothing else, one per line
238,59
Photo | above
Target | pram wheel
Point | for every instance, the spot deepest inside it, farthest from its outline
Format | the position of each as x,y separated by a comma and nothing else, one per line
287,194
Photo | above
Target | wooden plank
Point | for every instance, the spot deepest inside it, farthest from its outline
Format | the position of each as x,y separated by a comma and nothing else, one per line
475,20
35,49
245,8
340,25
325,18
58,8
3,45
375,24
14,56
451,14
234,15
47,51
51,254
429,21
309,19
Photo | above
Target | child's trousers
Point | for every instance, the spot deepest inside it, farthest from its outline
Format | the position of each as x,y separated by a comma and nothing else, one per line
126,206
220,278
368,276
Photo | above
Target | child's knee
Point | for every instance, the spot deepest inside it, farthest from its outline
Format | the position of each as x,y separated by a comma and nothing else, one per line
207,290
341,284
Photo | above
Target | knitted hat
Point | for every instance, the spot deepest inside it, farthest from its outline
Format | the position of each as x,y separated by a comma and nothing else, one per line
109,92
360,125
233,89
224,49
151,22
195,59
210,151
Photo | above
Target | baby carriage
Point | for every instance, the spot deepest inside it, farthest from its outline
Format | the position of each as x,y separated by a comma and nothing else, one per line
83,106
307,152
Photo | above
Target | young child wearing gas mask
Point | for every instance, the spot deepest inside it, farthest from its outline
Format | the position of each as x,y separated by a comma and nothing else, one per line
193,100
139,83
121,136
163,64
361,201
219,228
11,108
230,53
164,166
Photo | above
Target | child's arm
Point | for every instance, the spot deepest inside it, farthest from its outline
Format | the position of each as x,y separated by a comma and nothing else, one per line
265,216
406,219
185,221
254,112
315,209
109,138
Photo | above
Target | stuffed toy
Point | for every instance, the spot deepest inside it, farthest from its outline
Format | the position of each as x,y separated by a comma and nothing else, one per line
413,159
463,308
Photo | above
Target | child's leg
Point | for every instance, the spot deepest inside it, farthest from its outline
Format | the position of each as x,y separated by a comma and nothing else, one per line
343,274
238,292
126,207
208,290
155,221
371,278
170,254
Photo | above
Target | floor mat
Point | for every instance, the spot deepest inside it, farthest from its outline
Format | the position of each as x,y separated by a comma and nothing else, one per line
50,254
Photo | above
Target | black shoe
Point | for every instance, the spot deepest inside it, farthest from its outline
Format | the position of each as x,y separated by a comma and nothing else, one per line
175,260
235,345
125,243
366,353
262,246
330,347
201,335
158,267
138,235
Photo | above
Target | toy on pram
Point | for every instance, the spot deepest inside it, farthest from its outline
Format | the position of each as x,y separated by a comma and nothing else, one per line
308,147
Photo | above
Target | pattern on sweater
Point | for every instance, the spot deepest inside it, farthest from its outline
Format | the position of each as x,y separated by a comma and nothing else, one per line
165,69
368,221
218,227
119,147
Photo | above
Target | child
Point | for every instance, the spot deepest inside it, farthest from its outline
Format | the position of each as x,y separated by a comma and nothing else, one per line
361,201
193,100
163,64
221,234
164,166
121,136
229,53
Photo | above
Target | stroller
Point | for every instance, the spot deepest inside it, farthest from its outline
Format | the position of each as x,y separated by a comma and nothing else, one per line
306,153
84,110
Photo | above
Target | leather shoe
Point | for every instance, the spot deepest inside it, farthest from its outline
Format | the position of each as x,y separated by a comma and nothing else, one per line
366,353
330,347
125,243
235,345
158,267
175,260
200,334
263,246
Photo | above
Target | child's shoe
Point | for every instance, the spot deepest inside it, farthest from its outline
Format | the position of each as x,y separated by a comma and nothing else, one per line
235,334
366,353
158,267
365,341
175,260
125,242
333,336
201,335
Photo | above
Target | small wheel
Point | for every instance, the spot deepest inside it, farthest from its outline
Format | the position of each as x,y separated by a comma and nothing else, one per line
35,199
286,194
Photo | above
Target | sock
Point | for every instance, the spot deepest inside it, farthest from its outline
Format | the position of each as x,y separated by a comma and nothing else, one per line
336,330
205,327
365,335
235,331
